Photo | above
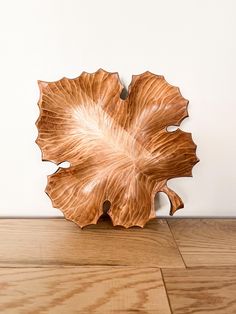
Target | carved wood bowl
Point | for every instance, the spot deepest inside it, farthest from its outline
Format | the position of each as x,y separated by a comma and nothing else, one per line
119,150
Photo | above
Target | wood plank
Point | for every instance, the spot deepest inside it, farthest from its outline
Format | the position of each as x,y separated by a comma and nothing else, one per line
201,290
205,242
82,290
48,242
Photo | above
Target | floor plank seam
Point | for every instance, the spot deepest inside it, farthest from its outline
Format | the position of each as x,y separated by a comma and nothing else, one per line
176,243
81,266
167,295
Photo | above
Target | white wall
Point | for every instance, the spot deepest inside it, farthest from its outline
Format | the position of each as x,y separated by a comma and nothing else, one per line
192,43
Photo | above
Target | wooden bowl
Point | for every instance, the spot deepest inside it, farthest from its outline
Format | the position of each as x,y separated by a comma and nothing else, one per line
120,151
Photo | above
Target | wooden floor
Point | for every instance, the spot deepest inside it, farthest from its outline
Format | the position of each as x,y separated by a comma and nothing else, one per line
180,266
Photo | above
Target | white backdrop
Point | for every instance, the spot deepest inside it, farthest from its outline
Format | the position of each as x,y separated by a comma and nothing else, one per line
192,43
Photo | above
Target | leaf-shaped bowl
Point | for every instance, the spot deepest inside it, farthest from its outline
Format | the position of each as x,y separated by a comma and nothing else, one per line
119,150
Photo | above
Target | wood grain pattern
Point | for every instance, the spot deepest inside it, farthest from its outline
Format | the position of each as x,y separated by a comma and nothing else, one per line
119,150
205,242
48,242
82,290
56,285
201,290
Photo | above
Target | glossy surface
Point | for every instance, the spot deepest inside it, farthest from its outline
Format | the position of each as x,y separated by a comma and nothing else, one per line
57,242
119,150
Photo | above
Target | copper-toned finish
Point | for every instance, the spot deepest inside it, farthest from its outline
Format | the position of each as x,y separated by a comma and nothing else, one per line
119,150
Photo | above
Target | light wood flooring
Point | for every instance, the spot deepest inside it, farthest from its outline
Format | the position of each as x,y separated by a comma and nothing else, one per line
179,266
